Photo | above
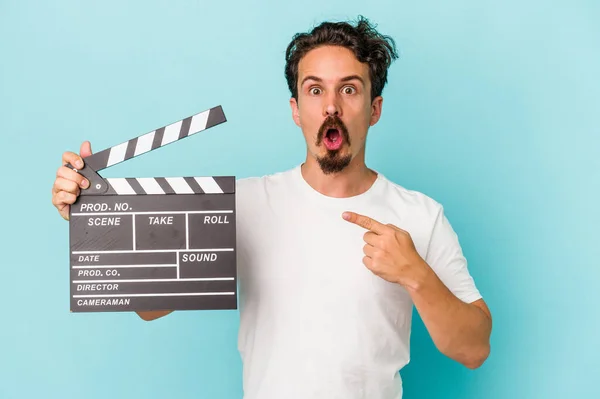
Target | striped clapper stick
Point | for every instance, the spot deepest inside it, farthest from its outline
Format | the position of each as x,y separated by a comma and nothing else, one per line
153,243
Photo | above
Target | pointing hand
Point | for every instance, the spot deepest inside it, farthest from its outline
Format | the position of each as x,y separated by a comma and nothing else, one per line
390,252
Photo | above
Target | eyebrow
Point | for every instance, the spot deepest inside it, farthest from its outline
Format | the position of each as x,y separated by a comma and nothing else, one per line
344,79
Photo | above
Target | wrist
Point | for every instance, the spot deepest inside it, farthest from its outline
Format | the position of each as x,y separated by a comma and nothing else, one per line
421,277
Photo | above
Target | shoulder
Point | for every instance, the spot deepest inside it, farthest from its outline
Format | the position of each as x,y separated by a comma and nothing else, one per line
425,218
411,201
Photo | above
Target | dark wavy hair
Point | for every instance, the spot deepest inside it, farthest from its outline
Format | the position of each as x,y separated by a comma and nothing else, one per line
368,45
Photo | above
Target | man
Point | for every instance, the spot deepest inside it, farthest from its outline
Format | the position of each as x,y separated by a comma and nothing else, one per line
332,256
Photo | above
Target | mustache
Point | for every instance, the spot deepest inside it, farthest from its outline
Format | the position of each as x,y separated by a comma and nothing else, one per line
331,122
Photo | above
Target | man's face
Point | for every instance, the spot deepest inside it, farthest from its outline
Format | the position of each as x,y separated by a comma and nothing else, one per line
334,107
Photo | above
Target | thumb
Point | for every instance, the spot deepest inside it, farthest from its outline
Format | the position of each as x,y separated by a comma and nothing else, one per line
86,149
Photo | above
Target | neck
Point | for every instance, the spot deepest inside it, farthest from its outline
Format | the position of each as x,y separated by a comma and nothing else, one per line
355,179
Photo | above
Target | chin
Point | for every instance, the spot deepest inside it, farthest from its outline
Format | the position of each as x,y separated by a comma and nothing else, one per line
334,161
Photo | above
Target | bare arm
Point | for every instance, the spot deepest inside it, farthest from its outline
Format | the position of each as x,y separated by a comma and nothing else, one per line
459,330
153,314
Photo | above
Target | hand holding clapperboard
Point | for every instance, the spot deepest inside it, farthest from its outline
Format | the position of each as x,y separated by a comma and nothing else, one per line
161,243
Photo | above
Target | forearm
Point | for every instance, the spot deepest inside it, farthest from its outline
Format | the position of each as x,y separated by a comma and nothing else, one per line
459,330
153,314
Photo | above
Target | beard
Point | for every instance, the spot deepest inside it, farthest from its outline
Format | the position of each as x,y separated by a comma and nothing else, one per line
333,161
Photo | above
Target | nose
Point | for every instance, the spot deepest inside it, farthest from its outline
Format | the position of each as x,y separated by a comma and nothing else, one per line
332,105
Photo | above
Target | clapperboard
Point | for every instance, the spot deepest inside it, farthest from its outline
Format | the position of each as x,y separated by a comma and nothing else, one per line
161,243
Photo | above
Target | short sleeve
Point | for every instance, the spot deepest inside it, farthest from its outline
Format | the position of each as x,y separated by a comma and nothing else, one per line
445,257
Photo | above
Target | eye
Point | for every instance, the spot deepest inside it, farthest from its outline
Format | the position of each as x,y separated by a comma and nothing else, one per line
348,90
314,91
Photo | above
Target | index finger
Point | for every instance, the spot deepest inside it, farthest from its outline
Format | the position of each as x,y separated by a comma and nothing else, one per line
365,222
73,159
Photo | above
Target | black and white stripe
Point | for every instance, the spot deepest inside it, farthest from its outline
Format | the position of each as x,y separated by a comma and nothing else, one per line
171,185
157,138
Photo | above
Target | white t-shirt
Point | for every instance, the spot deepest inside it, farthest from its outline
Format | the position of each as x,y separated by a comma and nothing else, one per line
314,321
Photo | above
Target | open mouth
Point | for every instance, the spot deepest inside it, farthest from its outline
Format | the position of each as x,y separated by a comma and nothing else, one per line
333,139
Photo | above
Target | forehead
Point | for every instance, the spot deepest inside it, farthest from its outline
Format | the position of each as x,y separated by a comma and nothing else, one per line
331,63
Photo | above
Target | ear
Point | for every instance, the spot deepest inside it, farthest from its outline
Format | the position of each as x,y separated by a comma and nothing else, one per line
376,106
295,112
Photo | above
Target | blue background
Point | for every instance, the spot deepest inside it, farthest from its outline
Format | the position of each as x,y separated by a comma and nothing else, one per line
493,110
